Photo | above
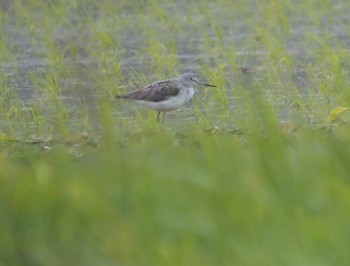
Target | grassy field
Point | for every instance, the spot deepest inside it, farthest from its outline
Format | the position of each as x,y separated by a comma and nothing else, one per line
254,172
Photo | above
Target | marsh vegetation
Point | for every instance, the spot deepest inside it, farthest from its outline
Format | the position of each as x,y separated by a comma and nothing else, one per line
252,172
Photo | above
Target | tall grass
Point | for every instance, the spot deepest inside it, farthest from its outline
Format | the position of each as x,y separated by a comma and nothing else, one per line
253,172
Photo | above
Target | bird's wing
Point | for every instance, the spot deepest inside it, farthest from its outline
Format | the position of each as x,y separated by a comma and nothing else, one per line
155,92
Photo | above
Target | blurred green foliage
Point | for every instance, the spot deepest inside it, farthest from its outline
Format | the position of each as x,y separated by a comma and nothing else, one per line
260,177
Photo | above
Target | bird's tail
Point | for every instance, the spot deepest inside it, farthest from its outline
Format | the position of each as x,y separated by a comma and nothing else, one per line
119,96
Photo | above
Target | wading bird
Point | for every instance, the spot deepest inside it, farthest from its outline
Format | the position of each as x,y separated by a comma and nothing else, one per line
165,95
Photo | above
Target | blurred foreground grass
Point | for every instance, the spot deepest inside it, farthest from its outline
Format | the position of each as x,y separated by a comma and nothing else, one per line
192,199
261,178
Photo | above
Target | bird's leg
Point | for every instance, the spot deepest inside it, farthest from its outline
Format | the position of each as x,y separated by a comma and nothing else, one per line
160,118
163,117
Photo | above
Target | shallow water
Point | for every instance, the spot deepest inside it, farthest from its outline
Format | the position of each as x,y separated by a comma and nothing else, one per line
87,77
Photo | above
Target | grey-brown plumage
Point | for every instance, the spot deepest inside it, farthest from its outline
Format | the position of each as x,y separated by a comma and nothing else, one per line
155,92
165,95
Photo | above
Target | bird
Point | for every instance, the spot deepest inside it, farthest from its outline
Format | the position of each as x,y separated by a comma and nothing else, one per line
165,95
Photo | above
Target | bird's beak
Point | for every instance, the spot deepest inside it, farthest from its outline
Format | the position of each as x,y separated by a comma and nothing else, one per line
205,84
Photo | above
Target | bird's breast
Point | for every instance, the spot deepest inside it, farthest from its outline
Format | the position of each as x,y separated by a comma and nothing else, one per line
187,93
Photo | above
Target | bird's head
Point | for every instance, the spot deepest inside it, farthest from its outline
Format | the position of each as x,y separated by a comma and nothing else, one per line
191,80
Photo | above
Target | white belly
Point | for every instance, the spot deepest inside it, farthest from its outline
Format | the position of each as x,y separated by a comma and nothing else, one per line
172,102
